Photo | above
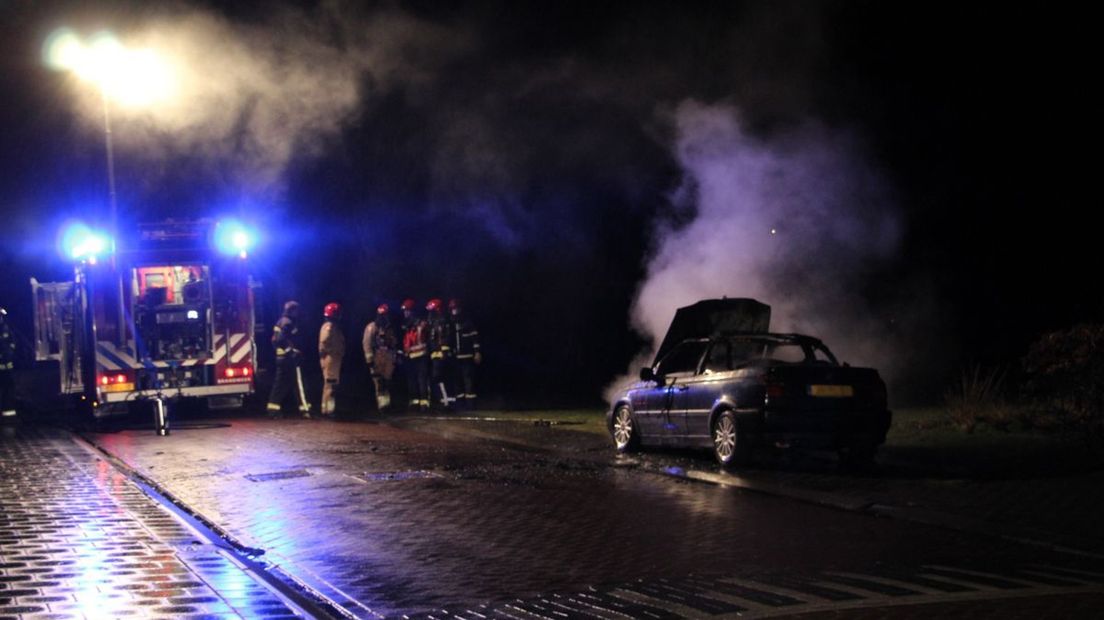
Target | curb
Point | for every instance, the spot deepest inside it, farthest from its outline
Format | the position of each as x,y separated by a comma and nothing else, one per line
300,593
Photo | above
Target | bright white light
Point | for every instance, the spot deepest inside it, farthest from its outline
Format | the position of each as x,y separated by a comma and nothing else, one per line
62,49
232,237
129,77
91,245
79,242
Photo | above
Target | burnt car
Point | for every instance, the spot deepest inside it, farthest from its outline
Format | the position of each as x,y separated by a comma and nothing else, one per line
734,391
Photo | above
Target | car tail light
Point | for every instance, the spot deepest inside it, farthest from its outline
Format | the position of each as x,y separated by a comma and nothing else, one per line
775,388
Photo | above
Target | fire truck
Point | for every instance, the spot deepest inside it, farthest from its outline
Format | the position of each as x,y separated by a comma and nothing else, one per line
165,314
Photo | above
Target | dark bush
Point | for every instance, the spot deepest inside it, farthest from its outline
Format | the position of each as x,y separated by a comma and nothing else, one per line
1064,378
978,398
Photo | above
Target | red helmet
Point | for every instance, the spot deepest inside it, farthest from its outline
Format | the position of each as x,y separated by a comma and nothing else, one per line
332,310
408,305
383,309
434,305
454,304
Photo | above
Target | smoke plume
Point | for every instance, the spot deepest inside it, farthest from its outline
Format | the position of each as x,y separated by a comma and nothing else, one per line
250,97
795,218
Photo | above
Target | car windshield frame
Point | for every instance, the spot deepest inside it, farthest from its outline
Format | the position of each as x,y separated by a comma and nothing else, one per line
680,350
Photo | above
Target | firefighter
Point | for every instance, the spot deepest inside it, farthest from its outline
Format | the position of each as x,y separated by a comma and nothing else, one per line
465,349
440,352
416,361
380,343
7,366
289,376
331,350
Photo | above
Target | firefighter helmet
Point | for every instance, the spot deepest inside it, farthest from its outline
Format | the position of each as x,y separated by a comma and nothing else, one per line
408,305
332,310
291,309
454,304
434,305
383,309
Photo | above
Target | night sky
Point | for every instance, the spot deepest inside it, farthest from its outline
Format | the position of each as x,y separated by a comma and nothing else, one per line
525,158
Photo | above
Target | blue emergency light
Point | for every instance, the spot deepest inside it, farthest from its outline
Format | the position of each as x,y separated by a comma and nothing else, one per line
81,243
233,237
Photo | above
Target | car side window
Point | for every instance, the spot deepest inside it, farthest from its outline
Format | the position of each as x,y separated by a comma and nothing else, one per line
719,358
787,353
684,358
745,351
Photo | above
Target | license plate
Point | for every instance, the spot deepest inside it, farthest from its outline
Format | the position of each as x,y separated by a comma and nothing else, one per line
831,391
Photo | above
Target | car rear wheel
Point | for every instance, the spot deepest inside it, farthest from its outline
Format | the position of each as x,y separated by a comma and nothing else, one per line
730,444
626,436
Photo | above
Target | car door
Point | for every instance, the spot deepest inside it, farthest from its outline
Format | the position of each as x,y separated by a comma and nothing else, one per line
663,417
646,402
679,387
698,393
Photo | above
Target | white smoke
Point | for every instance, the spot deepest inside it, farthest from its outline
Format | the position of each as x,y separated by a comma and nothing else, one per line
247,98
794,219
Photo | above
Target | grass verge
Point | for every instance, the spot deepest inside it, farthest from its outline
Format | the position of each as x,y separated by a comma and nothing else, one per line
925,439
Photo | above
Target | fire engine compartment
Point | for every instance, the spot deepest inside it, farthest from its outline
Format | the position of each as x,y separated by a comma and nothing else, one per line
187,325
172,310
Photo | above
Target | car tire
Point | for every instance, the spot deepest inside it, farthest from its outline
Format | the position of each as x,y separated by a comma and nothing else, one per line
730,441
626,433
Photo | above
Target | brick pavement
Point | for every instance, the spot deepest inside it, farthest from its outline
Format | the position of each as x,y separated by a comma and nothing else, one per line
390,522
80,540
1057,511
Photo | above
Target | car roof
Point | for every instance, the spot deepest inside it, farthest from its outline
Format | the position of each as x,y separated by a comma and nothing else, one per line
768,337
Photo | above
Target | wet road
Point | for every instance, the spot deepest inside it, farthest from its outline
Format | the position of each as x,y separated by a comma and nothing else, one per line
391,521
79,540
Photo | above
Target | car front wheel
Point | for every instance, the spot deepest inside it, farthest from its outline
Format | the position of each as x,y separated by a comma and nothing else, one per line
626,436
730,445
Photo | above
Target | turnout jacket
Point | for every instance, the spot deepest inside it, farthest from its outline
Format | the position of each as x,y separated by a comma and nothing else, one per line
378,336
331,349
284,336
415,338
440,338
465,338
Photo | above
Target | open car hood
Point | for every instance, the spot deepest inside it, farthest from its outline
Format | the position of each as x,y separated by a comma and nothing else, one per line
710,316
